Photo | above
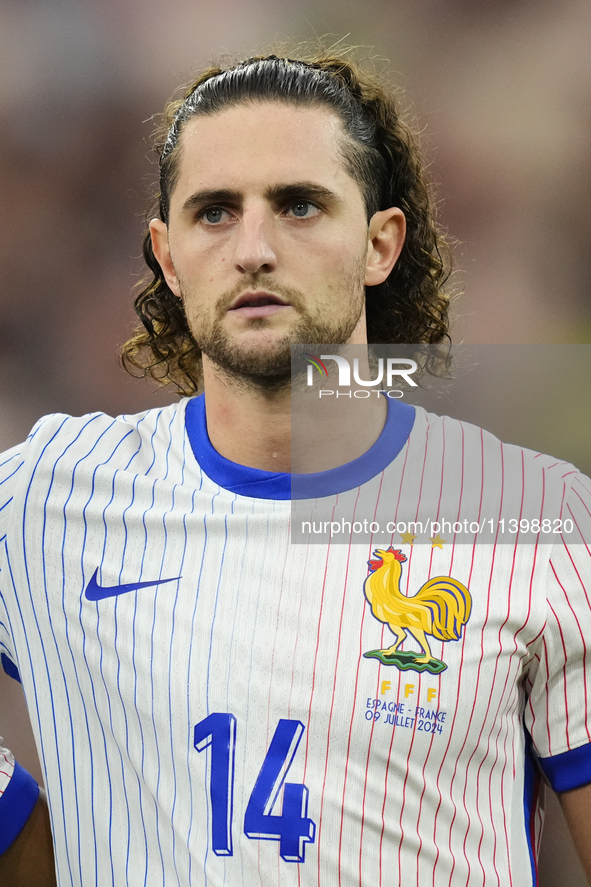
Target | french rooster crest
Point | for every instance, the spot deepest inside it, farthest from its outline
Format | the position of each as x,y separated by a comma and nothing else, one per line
440,609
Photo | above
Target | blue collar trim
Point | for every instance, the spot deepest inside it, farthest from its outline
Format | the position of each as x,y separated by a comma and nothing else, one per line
260,484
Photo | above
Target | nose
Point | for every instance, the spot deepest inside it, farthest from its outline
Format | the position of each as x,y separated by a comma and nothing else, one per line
254,251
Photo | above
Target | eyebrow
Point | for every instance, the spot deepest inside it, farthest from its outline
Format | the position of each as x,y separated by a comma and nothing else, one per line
275,193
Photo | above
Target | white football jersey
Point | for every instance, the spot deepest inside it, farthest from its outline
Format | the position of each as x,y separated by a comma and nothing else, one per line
215,705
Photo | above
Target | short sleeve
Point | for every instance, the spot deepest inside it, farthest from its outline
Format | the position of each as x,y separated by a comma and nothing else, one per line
558,709
12,468
11,463
18,790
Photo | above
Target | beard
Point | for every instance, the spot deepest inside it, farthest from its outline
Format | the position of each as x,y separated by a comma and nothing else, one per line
267,368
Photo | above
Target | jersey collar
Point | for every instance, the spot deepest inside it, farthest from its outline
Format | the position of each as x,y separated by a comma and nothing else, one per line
260,484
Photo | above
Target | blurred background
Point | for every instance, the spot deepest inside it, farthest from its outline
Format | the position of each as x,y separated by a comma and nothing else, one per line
500,90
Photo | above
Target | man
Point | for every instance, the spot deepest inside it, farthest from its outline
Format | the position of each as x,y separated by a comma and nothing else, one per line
152,604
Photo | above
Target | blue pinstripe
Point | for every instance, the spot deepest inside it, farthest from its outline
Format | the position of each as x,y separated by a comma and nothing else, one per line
135,676
174,776
207,708
152,653
125,530
190,660
44,750
231,644
79,462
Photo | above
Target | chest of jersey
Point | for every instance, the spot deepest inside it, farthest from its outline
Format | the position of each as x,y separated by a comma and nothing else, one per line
198,658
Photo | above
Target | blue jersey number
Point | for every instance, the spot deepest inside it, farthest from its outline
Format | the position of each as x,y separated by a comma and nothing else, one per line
219,732
292,827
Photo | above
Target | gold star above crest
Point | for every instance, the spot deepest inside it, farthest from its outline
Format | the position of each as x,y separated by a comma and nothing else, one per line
408,538
437,541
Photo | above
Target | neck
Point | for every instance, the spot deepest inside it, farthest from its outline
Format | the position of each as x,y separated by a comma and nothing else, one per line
253,427
246,425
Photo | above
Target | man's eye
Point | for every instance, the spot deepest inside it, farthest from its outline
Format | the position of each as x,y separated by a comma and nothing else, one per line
303,209
213,214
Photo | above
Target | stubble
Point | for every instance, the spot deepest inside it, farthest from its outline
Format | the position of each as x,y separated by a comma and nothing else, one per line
267,368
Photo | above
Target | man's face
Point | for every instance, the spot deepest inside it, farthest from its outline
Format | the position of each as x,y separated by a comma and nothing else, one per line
267,237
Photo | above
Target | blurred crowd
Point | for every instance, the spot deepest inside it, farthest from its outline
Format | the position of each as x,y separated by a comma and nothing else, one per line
500,91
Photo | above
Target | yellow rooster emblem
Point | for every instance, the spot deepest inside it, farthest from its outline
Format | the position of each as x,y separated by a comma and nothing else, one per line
440,609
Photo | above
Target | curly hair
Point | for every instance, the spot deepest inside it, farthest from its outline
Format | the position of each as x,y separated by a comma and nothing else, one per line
380,152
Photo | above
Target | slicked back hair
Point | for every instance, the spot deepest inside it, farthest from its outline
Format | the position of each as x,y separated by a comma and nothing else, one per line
381,154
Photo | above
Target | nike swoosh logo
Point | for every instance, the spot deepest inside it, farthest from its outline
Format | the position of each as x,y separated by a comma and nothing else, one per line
96,592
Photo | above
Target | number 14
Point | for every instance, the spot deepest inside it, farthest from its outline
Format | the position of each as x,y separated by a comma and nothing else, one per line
292,827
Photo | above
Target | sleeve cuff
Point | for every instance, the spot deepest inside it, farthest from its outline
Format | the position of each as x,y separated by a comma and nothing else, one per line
16,805
571,769
10,668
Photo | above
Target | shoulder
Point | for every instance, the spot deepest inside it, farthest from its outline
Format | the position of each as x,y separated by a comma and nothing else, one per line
73,432
514,491
473,445
59,442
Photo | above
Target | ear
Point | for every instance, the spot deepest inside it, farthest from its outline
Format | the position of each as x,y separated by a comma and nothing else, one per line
159,235
386,233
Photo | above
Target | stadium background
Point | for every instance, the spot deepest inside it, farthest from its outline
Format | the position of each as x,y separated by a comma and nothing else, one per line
500,89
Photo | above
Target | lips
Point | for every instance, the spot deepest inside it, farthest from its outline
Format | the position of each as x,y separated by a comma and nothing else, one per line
257,305
257,300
